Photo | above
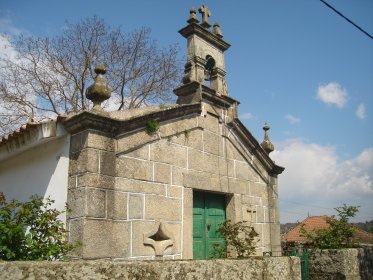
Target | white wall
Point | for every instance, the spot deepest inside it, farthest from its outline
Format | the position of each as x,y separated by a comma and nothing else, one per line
41,170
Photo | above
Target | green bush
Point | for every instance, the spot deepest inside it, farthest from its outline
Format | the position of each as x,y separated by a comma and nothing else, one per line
31,230
152,126
240,240
340,233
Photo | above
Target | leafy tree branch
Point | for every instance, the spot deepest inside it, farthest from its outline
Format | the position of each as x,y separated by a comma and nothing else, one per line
32,230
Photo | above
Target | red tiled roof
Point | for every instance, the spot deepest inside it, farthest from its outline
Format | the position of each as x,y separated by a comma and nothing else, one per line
319,222
363,237
309,223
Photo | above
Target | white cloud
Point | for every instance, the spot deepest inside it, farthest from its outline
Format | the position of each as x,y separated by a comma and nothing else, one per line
332,94
6,48
8,31
7,26
315,176
292,119
360,112
246,116
112,104
365,159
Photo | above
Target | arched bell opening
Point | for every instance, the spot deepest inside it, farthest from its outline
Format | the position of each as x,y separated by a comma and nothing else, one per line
209,67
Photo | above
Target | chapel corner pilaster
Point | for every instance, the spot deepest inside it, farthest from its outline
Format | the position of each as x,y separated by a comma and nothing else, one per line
91,162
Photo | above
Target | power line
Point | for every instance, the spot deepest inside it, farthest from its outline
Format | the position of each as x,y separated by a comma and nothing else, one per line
304,204
350,21
292,212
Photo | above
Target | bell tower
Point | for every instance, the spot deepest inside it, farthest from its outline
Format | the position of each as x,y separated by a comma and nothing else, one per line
205,59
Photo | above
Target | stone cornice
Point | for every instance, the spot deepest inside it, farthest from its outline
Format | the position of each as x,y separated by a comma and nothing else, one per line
222,100
205,34
205,93
255,147
219,71
90,120
102,122
187,89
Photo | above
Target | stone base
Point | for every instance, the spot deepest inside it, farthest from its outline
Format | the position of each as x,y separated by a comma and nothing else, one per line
281,268
341,264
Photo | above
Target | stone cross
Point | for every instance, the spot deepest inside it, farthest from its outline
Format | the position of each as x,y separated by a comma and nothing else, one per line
205,16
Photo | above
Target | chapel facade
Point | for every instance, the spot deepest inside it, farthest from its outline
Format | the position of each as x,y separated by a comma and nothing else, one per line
158,182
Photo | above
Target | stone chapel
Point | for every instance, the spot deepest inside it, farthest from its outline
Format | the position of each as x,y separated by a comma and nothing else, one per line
157,182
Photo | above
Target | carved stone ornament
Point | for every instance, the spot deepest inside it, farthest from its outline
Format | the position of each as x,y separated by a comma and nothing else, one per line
159,238
216,30
99,91
189,72
193,17
205,16
267,144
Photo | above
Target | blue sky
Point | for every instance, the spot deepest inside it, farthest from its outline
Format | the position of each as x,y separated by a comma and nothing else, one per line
293,63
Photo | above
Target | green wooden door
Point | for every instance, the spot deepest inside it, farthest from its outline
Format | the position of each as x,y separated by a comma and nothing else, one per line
208,214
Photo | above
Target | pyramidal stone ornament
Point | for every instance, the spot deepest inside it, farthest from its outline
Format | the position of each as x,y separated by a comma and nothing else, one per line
267,144
193,17
99,91
217,30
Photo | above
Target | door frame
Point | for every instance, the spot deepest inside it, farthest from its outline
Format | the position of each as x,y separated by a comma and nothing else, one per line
205,195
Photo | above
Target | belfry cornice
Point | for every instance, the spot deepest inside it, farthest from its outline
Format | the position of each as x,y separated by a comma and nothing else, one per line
194,28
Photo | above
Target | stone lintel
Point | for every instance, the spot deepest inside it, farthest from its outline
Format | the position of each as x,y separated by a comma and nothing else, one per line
113,127
205,34
256,149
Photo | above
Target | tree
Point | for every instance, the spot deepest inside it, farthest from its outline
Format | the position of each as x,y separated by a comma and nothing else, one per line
49,76
339,234
31,230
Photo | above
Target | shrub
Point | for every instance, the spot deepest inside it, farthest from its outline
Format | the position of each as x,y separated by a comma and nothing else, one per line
31,230
240,240
152,126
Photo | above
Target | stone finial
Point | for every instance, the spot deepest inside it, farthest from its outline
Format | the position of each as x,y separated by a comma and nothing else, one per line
217,30
205,16
266,144
193,17
99,91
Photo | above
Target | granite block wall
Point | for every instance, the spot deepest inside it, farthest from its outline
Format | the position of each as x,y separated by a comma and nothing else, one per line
124,187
